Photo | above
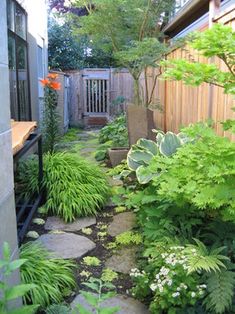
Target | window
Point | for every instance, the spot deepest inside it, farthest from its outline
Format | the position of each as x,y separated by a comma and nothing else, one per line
18,62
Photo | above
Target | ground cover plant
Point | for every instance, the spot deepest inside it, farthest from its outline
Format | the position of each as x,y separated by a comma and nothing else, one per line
74,186
53,278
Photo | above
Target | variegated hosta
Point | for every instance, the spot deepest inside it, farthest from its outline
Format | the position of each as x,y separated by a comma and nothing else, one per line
141,154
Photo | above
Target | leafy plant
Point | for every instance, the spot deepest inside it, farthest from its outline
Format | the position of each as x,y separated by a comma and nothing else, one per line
220,287
108,275
128,238
199,258
141,154
91,261
115,132
50,122
52,276
74,187
9,293
166,278
96,297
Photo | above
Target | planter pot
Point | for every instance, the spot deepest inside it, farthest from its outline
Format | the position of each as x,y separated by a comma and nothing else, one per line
140,123
117,155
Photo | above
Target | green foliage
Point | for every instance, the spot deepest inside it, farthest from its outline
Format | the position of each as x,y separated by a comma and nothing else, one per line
58,309
200,173
200,259
91,261
132,32
120,209
141,154
218,41
50,121
70,136
129,238
74,187
166,278
108,275
220,291
116,132
9,293
196,73
69,51
52,276
96,297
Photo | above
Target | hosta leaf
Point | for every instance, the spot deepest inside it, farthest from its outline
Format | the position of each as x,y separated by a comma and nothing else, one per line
169,144
148,145
144,175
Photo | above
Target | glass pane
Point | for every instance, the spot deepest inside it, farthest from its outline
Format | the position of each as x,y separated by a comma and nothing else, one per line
23,81
10,15
20,20
12,78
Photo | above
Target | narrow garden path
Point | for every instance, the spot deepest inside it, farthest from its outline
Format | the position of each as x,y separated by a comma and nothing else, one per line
94,239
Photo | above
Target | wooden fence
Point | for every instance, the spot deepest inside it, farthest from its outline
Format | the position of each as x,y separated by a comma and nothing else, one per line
182,104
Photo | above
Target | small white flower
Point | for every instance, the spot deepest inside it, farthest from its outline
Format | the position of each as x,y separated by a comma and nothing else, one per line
193,294
175,294
153,287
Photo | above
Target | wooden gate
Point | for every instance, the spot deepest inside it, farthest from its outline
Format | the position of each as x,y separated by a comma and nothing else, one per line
96,84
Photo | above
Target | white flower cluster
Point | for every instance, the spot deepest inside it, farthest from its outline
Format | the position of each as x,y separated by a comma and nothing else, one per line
161,279
201,289
135,272
174,258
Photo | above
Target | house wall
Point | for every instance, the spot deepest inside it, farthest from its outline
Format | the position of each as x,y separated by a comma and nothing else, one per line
37,51
7,203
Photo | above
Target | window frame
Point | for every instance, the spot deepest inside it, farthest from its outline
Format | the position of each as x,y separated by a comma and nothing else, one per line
20,40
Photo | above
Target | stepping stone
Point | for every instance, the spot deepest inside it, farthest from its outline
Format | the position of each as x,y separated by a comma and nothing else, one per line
67,245
115,182
127,305
55,223
121,223
123,261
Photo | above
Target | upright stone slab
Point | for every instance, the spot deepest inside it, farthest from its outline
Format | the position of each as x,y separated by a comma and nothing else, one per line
55,223
121,223
127,305
123,261
67,245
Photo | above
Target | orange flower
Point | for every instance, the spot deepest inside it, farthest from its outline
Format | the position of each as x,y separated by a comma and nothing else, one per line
45,82
55,85
52,76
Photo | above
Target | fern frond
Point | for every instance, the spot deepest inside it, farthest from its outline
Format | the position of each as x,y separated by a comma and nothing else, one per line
220,286
200,258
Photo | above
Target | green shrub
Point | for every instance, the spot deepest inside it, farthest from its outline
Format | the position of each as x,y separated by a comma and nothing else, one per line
115,131
201,173
129,238
74,187
51,276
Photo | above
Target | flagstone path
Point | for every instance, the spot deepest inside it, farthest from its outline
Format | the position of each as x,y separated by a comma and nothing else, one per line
66,241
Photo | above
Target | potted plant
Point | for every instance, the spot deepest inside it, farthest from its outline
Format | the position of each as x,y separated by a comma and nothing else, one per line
131,30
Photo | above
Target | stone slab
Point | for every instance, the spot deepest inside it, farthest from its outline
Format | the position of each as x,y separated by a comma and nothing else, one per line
127,305
55,223
121,223
67,245
123,261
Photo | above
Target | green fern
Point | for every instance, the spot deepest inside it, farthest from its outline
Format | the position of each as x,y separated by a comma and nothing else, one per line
220,286
200,258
